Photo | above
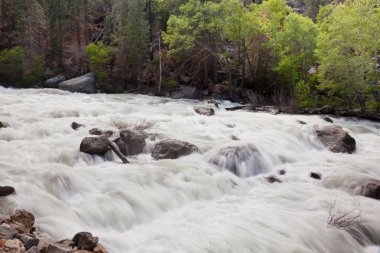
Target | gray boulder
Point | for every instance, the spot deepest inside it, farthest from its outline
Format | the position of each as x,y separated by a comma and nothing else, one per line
131,142
336,139
172,149
370,188
84,84
94,145
204,110
55,81
184,92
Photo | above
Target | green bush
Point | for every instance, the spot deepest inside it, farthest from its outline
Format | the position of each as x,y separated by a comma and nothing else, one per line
304,95
99,57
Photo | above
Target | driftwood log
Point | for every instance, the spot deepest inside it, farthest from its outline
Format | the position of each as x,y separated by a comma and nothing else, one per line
117,151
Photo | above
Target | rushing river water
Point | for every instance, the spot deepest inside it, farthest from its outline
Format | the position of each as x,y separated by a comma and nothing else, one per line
188,204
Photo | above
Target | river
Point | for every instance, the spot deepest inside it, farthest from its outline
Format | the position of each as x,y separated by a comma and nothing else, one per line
187,204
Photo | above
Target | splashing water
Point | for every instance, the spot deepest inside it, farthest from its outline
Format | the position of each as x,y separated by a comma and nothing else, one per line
189,204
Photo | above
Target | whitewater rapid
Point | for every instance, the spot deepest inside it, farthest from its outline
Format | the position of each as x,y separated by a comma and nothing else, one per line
188,204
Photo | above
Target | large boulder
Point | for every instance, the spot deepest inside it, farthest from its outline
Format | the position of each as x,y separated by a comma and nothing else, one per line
172,149
244,161
6,190
336,139
131,142
84,84
85,241
204,110
21,220
94,145
28,240
54,81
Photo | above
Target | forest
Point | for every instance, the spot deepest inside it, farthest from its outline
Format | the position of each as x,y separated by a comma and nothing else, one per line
302,54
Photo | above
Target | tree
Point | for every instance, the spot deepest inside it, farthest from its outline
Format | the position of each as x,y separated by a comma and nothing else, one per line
296,43
347,43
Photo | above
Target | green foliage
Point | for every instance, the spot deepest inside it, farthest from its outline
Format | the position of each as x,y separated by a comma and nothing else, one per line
99,57
170,84
17,69
305,97
296,43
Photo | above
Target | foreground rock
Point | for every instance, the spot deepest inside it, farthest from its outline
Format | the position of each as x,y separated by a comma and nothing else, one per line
131,142
204,110
21,220
243,161
336,139
54,81
6,190
3,124
85,241
83,84
17,236
172,149
94,145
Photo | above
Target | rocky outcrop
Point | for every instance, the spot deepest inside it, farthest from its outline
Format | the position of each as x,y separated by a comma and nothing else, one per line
172,149
204,110
6,190
83,84
7,232
243,161
131,142
94,145
3,124
336,139
54,81
11,246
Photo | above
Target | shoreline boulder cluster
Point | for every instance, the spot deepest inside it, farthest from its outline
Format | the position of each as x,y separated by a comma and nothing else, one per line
19,235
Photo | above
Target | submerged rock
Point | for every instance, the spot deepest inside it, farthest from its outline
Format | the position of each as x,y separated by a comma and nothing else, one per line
316,175
97,131
327,119
83,84
273,179
3,124
76,125
21,220
370,188
336,139
204,110
6,190
94,145
244,161
172,149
